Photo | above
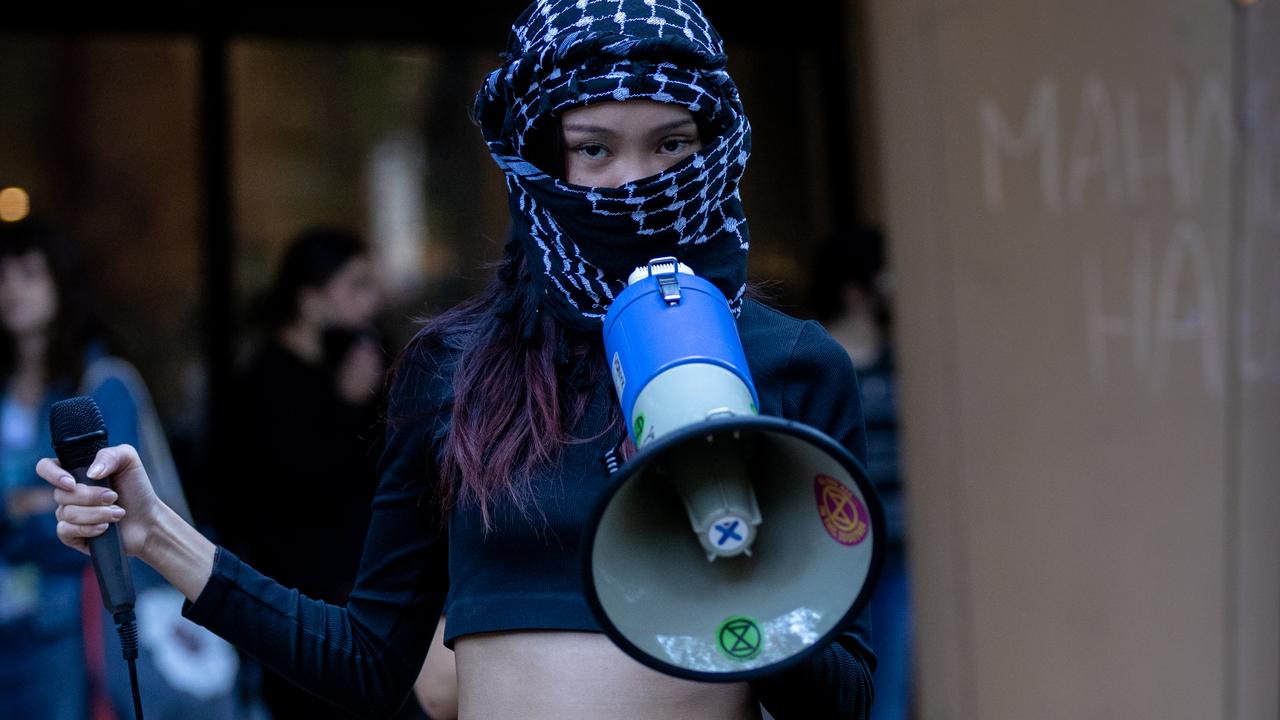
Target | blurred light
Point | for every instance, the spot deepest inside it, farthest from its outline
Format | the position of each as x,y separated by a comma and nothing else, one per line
397,170
14,204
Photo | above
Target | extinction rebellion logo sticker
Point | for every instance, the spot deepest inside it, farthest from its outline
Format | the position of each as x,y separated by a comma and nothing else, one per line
843,515
739,637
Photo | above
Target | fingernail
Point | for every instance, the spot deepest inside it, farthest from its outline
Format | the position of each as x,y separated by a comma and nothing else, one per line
117,512
67,482
95,470
109,496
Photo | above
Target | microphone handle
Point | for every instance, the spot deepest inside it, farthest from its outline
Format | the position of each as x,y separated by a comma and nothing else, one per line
110,563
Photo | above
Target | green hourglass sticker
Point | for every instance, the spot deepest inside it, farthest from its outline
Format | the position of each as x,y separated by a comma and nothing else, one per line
739,638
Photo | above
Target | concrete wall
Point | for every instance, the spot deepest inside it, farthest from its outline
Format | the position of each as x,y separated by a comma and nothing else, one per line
1083,207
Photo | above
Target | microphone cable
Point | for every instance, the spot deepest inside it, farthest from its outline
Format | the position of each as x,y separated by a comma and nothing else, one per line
127,629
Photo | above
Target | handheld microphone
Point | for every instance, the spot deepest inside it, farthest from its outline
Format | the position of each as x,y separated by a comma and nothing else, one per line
78,433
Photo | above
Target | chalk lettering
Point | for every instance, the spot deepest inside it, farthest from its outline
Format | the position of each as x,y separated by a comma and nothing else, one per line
1039,134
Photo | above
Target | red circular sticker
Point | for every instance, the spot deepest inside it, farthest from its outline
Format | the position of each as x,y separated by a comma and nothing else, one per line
843,514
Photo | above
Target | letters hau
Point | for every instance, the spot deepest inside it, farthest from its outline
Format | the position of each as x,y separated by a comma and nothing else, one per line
732,544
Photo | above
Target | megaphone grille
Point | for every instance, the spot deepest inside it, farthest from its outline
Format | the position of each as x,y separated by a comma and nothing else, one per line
809,574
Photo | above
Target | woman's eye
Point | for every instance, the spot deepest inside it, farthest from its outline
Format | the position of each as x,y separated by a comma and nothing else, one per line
593,151
674,145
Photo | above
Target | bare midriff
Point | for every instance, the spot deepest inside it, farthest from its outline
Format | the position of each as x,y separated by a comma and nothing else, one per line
580,676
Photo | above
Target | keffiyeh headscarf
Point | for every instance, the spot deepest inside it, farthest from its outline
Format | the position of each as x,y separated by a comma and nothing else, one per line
581,243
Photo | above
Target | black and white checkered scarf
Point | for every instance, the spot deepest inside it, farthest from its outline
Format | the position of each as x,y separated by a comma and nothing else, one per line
580,243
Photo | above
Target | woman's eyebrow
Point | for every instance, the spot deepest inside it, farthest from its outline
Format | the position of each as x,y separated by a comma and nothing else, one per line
589,130
675,125
602,130
686,124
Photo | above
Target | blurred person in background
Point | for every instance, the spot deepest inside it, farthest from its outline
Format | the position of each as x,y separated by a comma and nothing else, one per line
851,289
307,408
59,656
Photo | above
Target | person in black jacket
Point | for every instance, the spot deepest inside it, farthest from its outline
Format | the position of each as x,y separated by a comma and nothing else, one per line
622,138
307,406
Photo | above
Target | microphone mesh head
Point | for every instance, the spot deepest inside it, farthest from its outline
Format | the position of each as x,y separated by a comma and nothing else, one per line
78,431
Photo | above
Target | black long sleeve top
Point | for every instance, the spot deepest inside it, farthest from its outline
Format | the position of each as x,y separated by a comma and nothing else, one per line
525,574
296,432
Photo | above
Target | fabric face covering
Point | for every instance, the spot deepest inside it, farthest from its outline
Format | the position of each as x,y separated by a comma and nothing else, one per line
581,243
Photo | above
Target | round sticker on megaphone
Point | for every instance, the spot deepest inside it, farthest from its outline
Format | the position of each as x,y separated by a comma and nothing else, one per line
843,515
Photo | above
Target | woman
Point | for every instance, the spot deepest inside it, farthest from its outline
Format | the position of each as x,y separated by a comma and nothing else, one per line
45,343
307,406
56,643
622,139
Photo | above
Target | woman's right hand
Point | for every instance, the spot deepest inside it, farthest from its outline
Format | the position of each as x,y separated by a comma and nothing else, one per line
84,511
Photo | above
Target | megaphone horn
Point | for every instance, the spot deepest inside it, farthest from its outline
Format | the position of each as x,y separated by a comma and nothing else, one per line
732,544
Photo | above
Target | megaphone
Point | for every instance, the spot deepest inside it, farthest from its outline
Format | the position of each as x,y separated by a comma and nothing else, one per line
731,545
